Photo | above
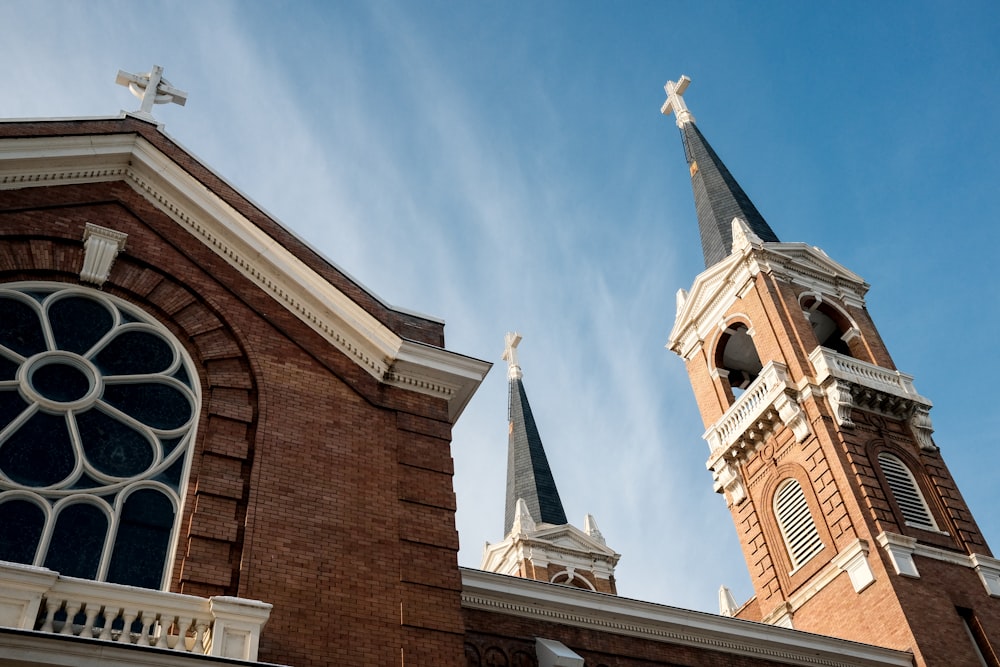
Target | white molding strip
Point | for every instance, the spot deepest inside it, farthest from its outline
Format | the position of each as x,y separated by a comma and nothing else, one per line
901,550
573,607
38,161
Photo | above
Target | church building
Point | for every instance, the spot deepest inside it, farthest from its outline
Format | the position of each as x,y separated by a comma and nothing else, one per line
217,448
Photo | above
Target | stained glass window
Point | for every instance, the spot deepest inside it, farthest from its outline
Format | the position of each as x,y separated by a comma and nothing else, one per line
97,414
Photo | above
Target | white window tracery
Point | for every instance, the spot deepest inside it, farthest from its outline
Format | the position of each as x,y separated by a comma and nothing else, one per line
98,409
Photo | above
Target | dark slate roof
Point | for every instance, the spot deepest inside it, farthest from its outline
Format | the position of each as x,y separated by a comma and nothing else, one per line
528,473
718,198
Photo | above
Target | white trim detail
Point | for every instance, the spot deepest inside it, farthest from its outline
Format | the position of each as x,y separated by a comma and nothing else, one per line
524,598
390,359
768,401
988,570
849,383
854,561
174,623
900,549
716,288
100,248
545,545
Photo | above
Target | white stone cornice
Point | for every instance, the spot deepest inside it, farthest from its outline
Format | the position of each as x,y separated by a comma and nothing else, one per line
27,162
716,288
573,607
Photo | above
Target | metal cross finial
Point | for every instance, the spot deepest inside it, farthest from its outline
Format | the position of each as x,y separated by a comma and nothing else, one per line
152,89
675,102
510,355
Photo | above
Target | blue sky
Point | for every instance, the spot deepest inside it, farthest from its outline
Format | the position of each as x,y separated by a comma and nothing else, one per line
504,165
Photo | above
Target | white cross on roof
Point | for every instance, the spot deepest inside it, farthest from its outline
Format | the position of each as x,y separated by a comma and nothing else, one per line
152,89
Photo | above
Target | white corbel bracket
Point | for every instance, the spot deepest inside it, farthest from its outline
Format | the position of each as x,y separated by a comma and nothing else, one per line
922,429
854,561
838,393
900,549
988,570
100,248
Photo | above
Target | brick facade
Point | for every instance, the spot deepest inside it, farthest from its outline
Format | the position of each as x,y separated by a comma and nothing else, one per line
847,495
312,486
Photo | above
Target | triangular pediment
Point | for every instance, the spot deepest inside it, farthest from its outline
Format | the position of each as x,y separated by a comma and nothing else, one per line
704,305
569,538
34,154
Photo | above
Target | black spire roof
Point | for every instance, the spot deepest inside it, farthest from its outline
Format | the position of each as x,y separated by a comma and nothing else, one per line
718,198
528,474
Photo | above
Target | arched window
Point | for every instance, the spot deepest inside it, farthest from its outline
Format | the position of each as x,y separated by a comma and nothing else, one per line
906,492
798,529
737,356
828,324
98,407
569,578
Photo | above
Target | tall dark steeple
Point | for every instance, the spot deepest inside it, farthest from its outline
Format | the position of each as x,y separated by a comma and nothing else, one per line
539,543
529,477
718,197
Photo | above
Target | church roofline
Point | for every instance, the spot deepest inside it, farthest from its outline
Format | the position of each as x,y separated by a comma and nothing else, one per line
396,348
564,605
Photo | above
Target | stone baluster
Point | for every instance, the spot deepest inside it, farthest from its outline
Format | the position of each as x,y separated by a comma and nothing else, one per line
72,608
182,631
128,616
161,636
147,618
90,615
110,614
52,605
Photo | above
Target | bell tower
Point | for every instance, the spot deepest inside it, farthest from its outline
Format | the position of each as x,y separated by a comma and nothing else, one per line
850,523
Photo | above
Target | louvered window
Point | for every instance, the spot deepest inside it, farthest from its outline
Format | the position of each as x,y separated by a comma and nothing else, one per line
796,523
904,489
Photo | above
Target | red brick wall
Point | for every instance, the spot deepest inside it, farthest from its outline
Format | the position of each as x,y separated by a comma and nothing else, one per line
312,486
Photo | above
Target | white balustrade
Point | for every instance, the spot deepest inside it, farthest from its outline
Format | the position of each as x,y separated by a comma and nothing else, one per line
748,408
832,364
34,598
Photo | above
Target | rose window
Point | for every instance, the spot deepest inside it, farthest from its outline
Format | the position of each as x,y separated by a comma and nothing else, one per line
98,406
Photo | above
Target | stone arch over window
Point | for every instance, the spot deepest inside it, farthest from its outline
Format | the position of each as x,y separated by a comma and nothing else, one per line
99,404
833,328
736,358
795,521
905,491
571,578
